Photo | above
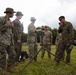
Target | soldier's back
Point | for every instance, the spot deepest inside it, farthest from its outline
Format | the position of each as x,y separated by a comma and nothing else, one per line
31,33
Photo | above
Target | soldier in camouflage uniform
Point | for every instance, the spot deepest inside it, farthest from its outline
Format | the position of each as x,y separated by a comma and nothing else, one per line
6,41
58,41
46,42
32,39
67,40
18,31
59,36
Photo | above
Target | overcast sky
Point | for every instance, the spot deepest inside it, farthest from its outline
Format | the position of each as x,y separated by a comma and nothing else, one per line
45,11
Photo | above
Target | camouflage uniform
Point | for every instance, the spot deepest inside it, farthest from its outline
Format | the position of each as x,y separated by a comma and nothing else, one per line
47,40
67,39
6,43
58,43
32,40
18,31
58,39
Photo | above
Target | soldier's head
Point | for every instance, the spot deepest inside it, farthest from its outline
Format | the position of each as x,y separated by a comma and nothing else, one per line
32,19
46,27
9,12
19,15
62,19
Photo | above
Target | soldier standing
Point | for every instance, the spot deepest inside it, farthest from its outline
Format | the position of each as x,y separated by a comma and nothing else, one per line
32,39
58,41
6,41
41,36
18,31
46,42
59,36
67,40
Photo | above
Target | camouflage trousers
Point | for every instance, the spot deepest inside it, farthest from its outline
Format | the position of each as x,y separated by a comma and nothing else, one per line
4,52
18,49
59,47
32,51
60,52
46,47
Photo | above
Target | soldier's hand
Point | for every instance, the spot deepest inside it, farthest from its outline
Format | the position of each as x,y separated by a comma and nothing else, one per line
18,41
8,23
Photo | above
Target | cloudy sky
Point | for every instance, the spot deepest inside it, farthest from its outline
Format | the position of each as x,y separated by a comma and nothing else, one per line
45,11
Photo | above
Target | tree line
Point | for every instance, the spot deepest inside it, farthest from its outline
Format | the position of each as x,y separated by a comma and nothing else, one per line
54,34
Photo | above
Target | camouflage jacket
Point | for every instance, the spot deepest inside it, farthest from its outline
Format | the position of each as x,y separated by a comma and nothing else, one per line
18,29
67,33
32,38
58,38
47,38
6,36
59,35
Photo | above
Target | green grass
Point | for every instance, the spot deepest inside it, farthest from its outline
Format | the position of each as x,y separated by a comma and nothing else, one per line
47,66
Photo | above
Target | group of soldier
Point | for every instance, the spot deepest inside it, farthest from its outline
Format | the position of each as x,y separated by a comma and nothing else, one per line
45,40
10,40
64,40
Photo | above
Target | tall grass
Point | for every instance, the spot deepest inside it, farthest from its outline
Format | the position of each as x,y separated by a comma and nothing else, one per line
47,66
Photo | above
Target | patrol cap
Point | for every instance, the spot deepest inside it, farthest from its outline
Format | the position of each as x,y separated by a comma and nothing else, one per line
19,13
9,10
61,17
32,19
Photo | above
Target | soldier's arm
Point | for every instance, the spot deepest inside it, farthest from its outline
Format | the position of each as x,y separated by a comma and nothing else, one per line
71,33
19,34
22,28
56,40
3,26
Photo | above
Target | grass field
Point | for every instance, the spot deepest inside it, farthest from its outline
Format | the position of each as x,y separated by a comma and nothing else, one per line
47,66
